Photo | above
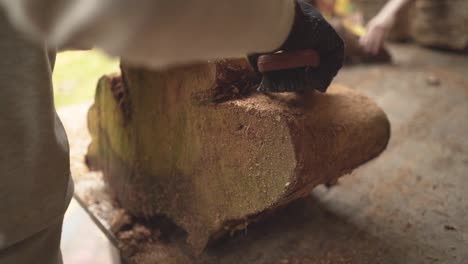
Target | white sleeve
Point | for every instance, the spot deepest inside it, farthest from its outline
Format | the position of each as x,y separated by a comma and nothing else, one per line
158,32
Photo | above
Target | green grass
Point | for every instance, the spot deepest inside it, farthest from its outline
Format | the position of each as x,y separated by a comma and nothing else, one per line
76,74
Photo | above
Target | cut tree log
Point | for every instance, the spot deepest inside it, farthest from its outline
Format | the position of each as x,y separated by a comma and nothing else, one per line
198,145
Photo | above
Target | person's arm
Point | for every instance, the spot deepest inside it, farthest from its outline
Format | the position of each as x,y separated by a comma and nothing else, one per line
378,27
158,32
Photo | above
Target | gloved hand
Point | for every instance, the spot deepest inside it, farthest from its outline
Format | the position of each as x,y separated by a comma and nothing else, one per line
311,31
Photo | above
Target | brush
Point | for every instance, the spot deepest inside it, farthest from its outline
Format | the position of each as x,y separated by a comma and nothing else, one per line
287,71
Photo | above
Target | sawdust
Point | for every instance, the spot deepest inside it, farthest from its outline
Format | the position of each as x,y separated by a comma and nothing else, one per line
119,221
233,81
132,240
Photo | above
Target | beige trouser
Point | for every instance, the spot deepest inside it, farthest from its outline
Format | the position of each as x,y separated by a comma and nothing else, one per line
43,247
35,187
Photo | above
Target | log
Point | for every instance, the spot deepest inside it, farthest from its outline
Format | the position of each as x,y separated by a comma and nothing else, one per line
198,145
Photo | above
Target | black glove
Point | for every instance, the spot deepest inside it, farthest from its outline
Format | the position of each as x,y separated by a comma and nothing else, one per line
311,31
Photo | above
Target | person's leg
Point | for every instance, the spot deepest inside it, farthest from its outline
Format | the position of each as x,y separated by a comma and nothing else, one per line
35,185
43,247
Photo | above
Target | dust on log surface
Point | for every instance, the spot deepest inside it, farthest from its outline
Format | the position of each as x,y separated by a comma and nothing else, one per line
197,145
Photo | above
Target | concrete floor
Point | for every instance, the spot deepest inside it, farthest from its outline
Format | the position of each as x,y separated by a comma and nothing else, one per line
82,240
410,205
414,197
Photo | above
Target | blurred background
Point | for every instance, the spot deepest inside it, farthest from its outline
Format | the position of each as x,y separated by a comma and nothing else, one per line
76,74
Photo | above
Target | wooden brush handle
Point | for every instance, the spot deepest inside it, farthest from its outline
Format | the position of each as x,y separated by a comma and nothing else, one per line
288,60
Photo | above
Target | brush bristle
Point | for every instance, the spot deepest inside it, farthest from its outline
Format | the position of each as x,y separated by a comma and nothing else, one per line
284,81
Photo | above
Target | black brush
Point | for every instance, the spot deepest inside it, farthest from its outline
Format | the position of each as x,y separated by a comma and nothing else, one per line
287,71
